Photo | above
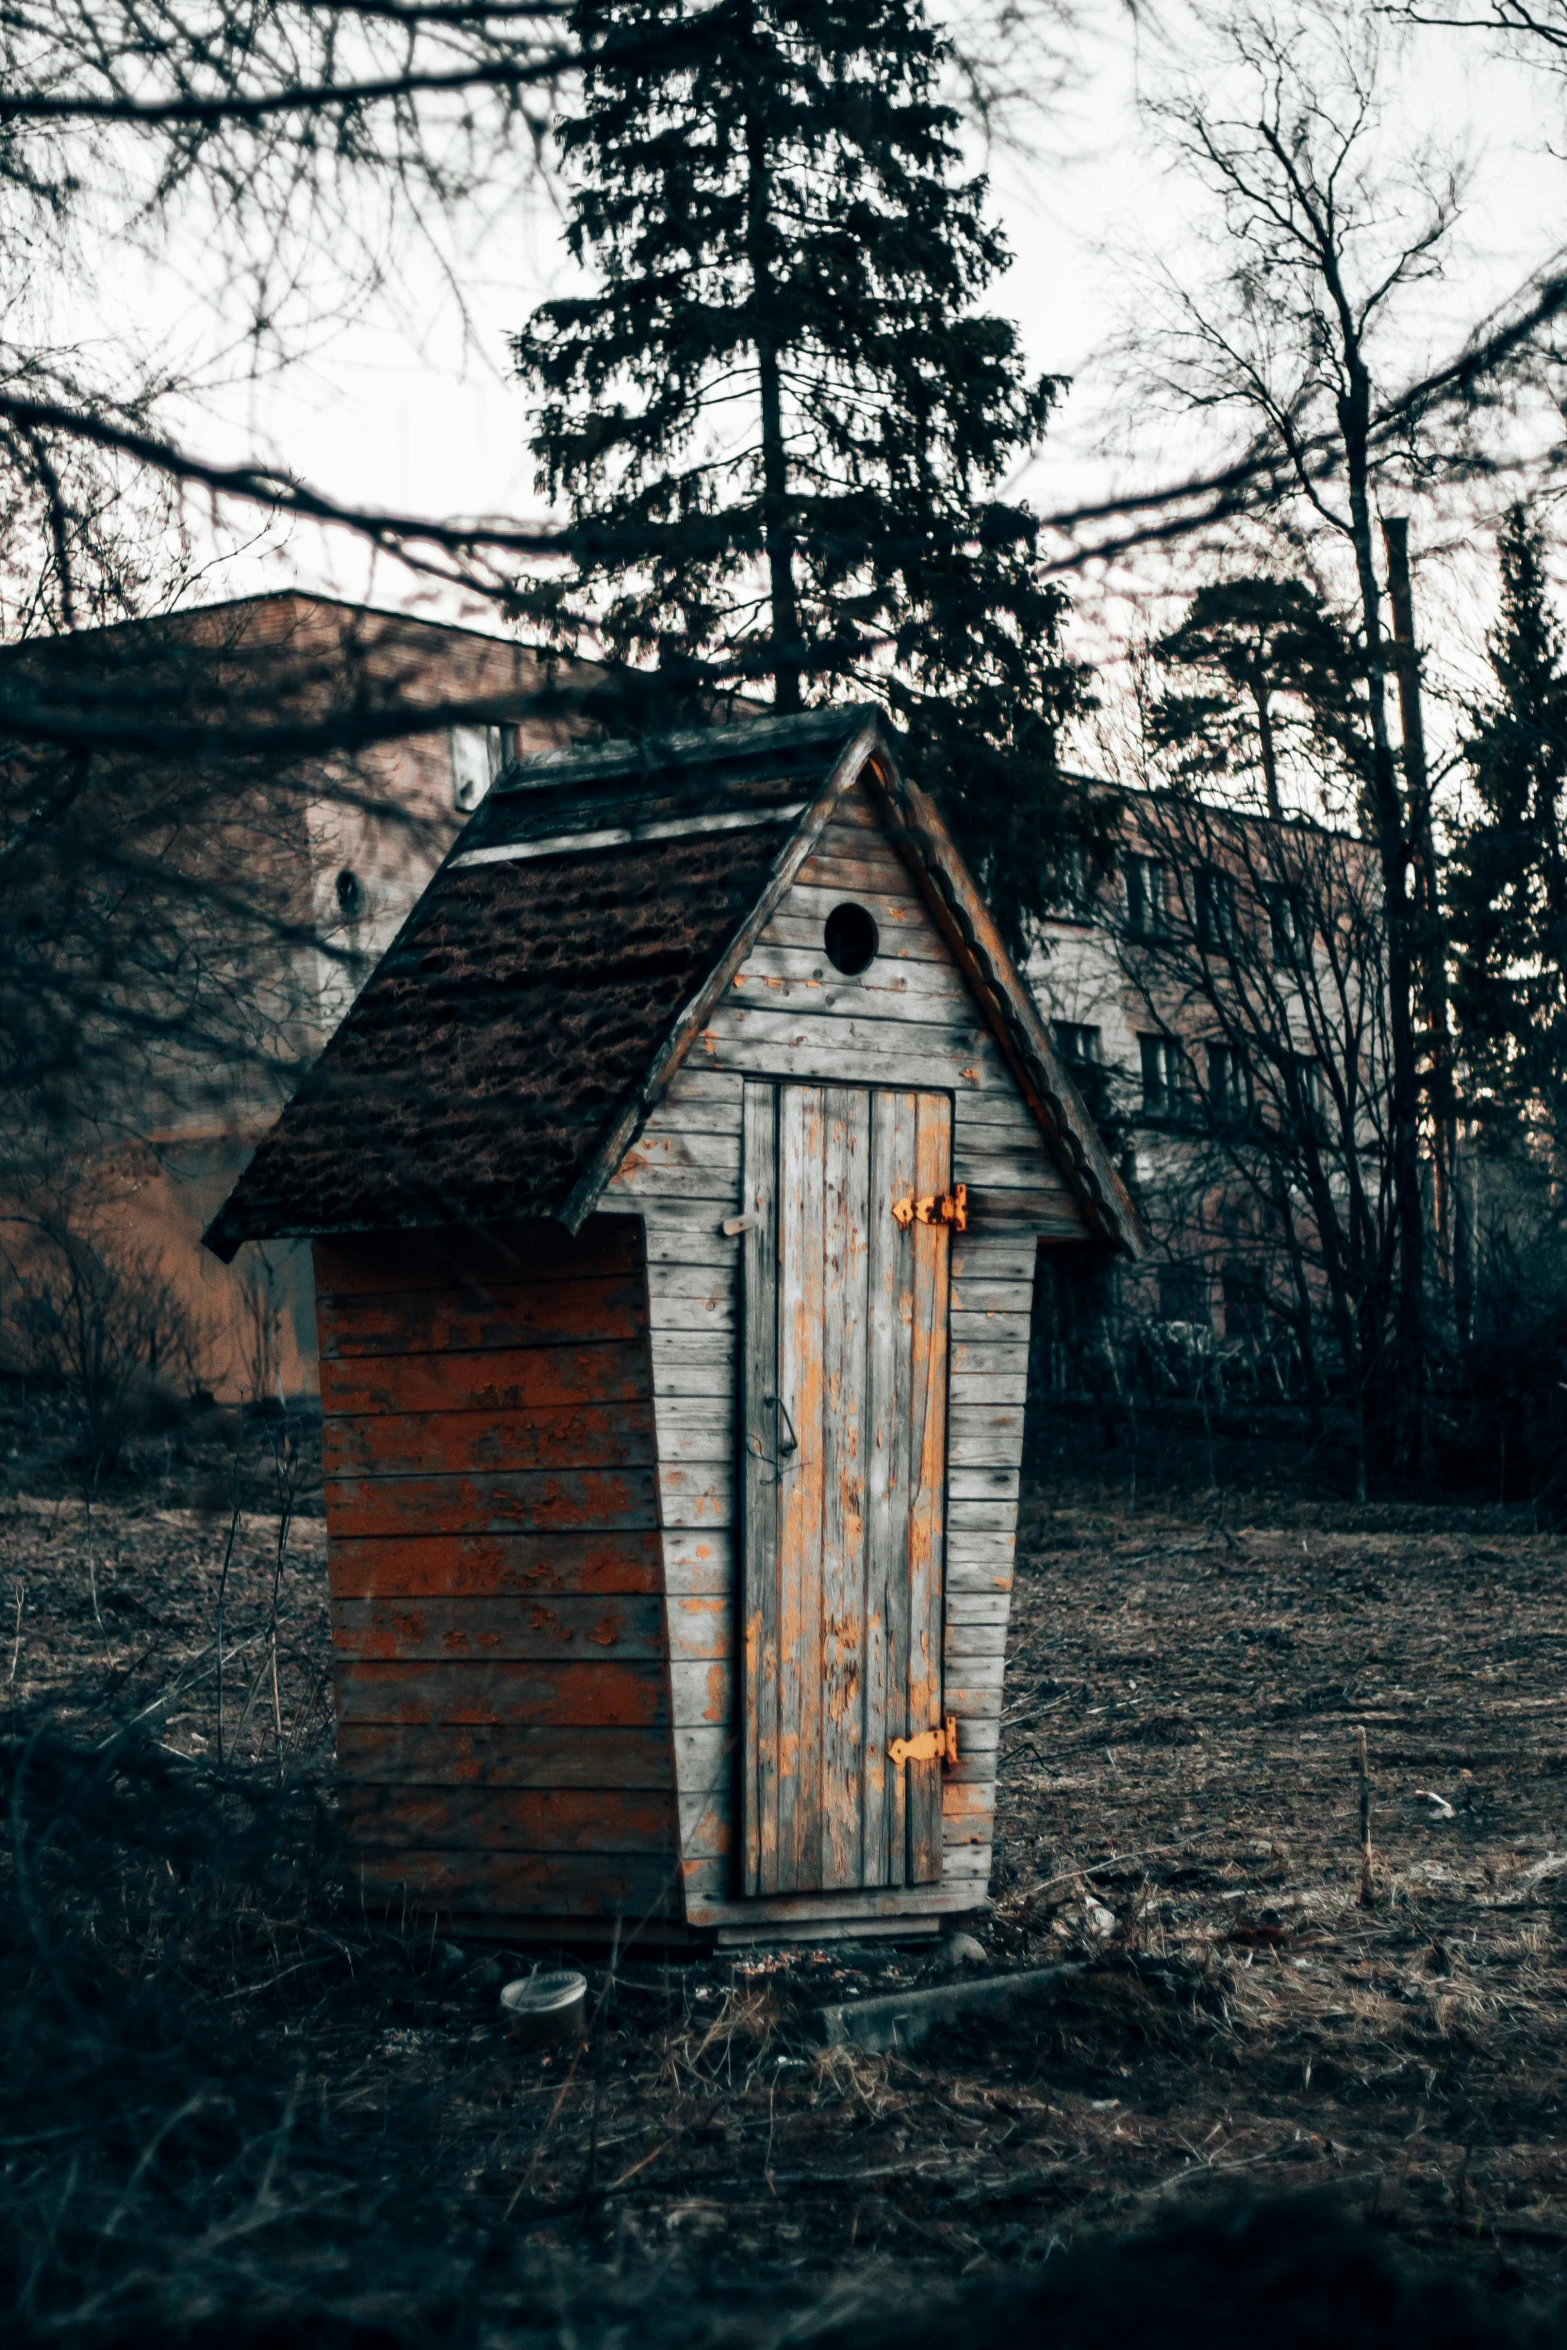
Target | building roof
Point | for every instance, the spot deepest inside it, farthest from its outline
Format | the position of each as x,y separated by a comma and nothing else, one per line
517,1033
286,674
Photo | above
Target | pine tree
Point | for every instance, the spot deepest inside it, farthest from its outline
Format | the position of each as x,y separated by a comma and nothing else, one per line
778,422
1507,878
1283,677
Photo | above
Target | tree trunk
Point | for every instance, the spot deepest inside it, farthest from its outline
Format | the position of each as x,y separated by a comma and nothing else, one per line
777,542
1269,748
1305,1326
1389,821
1432,945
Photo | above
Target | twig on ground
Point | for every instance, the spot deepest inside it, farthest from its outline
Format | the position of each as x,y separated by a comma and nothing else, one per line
223,1584
1116,1860
1368,1892
16,1645
92,1568
601,2017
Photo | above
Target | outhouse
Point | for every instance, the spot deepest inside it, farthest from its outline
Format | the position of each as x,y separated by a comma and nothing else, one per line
675,1184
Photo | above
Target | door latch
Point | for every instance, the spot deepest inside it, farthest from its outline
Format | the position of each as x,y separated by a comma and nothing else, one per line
788,1442
942,1207
940,1745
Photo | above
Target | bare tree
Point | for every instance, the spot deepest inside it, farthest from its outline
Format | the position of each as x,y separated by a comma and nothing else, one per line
96,1318
296,151
310,144
1322,242
1258,971
1534,29
165,949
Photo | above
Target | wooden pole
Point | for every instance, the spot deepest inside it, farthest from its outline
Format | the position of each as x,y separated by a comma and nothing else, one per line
1362,1766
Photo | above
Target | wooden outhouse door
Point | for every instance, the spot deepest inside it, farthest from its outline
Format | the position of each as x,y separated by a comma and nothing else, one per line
844,1467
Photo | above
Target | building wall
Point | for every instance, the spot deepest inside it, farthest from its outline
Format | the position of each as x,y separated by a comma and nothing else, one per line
1076,977
1104,993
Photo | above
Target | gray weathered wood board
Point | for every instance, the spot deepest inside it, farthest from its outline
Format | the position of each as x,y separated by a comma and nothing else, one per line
908,1024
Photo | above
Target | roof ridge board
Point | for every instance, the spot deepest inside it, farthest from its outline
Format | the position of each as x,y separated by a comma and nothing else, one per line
145,622
564,810
742,738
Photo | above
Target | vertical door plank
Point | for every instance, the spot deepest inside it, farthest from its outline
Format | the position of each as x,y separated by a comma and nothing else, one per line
844,1423
927,1501
801,1181
887,1598
759,1491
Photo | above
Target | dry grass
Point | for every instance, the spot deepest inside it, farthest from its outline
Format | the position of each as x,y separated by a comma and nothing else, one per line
230,2095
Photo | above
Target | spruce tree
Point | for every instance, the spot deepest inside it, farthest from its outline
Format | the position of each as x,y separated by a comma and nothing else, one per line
777,420
1507,877
1280,677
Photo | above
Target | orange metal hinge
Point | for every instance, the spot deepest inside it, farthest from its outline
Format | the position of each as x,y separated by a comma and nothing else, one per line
942,1207
930,1746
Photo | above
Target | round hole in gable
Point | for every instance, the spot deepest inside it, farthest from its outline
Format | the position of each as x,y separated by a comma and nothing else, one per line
851,939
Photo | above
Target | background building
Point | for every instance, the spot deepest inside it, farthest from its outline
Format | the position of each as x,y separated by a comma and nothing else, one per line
271,870
1218,994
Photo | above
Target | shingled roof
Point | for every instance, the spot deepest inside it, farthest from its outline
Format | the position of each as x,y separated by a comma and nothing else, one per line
513,1039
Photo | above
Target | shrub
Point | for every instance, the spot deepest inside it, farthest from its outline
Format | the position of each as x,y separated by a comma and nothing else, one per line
102,1323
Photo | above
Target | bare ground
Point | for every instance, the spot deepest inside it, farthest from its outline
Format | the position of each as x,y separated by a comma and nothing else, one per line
266,2083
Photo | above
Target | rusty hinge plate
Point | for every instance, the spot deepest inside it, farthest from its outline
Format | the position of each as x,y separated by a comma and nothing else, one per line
941,1207
929,1746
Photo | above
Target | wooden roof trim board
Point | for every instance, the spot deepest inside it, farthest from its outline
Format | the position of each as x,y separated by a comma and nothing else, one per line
620,836
693,1018
695,746
970,929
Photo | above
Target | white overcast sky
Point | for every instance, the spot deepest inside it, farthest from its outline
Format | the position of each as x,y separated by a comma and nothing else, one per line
400,411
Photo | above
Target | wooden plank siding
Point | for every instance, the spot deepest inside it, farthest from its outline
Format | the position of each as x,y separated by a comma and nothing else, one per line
505,1715
910,1021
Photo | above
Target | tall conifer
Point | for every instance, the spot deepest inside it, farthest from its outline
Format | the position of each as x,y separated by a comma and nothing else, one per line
1507,878
776,418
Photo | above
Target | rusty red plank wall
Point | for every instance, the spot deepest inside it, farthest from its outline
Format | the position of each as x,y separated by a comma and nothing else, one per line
504,1739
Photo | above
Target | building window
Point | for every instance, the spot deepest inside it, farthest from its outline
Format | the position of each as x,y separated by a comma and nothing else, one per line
1145,897
1081,1048
1288,929
1077,1043
1072,1301
1071,899
350,895
1229,1088
478,755
1183,1294
1164,1076
1245,1315
1308,1099
1215,908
